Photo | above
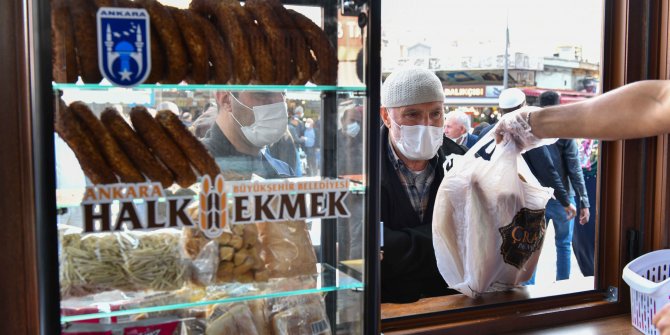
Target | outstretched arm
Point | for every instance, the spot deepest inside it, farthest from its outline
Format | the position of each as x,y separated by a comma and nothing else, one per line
639,109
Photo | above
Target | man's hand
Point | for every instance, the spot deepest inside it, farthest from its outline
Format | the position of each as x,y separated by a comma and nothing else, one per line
662,320
570,211
584,215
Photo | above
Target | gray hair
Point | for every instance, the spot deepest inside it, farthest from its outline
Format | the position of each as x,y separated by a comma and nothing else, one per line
461,117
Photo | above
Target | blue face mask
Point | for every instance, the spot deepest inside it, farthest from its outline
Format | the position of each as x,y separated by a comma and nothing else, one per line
352,129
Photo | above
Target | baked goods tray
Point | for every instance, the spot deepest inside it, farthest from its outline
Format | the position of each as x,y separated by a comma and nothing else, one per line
117,305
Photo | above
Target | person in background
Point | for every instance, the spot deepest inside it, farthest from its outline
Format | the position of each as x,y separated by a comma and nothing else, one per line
350,161
584,236
299,112
478,129
509,100
284,149
413,153
169,105
311,138
564,155
350,142
296,128
457,128
202,124
186,118
246,123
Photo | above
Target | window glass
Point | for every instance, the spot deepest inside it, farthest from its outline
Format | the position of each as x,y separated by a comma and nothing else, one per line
480,48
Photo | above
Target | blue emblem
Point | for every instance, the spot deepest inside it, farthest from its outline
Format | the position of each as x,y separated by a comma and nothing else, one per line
124,51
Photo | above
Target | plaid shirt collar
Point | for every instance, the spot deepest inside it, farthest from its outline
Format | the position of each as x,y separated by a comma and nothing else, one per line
416,185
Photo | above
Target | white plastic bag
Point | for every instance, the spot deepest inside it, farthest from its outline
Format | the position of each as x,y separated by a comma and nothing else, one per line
488,224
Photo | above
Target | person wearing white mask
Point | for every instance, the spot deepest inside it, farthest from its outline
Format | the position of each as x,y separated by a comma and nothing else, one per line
247,122
350,142
413,154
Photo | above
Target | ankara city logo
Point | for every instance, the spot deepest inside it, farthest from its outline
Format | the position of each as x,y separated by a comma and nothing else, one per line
123,38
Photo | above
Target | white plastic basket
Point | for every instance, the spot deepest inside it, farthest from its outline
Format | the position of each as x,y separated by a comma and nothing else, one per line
649,279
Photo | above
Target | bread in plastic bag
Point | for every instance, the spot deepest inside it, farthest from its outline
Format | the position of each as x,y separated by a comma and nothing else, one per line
488,222
287,248
299,315
238,253
231,318
127,261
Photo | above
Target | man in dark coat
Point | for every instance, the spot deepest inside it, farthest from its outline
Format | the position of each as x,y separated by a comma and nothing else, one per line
414,151
564,155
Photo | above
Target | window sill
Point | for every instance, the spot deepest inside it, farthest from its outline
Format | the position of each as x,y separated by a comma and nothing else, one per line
452,302
496,313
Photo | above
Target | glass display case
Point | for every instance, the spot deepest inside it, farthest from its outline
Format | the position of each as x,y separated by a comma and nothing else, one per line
211,163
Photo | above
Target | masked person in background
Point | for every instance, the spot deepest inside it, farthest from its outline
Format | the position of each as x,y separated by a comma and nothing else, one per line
413,154
350,142
246,123
350,162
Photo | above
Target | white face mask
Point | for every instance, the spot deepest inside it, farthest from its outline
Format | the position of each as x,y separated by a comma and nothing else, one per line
419,142
352,129
269,123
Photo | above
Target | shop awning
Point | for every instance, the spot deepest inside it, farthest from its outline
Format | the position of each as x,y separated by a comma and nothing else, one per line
471,101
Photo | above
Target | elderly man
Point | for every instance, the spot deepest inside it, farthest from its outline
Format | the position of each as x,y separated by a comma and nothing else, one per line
457,128
413,152
246,123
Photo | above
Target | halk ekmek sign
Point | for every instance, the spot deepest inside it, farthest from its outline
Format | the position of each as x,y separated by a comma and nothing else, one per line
220,203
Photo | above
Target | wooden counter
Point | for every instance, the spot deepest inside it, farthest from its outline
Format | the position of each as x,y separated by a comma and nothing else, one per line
614,325
450,302
586,313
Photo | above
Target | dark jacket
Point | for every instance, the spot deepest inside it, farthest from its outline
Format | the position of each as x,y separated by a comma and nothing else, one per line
541,165
470,140
565,155
350,153
409,271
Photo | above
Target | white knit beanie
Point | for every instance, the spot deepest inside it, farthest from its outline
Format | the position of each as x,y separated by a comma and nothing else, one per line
411,86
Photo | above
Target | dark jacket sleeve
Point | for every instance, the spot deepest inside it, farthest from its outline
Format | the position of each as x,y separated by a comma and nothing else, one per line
540,163
295,133
571,157
407,250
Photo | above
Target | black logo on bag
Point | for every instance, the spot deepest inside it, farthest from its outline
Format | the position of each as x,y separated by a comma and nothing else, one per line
523,236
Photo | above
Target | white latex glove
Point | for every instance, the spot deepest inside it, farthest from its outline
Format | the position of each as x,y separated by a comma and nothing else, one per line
514,127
